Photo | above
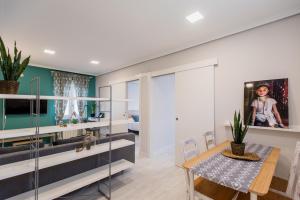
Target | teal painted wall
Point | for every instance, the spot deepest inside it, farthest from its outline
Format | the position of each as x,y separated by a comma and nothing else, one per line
46,88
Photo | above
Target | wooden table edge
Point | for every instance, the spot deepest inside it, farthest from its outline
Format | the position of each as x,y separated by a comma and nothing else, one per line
266,174
269,164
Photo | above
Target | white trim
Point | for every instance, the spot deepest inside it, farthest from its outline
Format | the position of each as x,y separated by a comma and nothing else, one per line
189,66
61,69
291,129
134,78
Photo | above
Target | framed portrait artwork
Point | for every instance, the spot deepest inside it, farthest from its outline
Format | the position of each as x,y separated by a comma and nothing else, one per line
266,103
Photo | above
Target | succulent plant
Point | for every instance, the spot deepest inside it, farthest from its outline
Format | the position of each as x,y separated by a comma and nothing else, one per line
239,130
12,67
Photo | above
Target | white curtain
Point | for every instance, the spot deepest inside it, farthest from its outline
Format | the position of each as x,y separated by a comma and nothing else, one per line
81,84
62,82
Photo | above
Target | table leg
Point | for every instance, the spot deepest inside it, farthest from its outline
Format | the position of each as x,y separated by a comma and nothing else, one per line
191,190
253,196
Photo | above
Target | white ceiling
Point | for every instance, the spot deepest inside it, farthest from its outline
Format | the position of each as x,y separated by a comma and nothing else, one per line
120,33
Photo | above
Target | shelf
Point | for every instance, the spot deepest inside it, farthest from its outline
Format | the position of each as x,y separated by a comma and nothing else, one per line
293,129
14,133
65,186
20,96
26,166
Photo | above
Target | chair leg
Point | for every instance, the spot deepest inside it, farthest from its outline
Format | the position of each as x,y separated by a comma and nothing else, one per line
187,180
191,188
253,196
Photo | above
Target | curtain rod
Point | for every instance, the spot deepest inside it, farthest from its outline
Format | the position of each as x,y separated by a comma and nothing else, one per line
90,76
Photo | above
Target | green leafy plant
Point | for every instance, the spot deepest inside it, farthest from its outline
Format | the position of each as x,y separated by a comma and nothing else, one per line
12,67
74,121
239,130
93,108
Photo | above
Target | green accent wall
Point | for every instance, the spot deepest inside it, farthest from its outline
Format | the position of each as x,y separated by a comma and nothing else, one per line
46,88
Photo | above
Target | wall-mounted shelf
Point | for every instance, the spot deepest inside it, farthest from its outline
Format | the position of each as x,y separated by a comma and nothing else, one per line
65,186
21,96
293,129
14,133
26,166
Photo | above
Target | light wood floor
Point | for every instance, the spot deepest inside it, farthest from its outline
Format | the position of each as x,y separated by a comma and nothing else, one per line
150,179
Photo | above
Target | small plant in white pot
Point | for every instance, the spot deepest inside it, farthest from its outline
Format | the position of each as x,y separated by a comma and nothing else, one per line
239,132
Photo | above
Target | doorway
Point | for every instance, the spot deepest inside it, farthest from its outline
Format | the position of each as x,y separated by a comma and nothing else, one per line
133,111
162,140
181,108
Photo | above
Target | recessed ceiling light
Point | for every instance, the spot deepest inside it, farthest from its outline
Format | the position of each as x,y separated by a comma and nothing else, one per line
196,16
95,62
49,51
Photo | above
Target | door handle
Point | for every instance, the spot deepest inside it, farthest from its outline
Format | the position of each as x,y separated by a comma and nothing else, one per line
177,118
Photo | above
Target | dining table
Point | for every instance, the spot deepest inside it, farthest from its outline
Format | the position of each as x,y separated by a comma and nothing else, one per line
259,183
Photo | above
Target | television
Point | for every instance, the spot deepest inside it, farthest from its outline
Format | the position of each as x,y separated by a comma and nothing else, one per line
22,106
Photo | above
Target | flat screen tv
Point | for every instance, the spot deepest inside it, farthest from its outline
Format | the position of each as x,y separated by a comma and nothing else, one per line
22,106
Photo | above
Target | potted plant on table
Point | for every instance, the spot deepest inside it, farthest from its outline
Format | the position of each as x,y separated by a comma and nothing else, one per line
12,68
238,133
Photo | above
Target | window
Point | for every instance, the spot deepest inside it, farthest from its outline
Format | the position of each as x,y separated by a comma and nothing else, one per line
71,105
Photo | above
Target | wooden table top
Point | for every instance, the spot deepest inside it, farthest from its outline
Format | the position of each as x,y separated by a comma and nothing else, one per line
261,183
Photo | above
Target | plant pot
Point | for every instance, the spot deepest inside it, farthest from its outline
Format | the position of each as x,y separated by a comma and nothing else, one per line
9,87
238,149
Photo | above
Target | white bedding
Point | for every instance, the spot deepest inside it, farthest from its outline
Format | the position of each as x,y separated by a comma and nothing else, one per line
132,125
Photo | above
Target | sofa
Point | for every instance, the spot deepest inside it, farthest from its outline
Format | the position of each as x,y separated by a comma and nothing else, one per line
23,183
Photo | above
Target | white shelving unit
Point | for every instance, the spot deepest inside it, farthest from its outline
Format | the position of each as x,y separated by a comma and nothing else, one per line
23,132
65,186
293,129
29,97
26,166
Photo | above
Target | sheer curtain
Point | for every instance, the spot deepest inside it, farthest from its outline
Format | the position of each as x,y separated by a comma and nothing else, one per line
81,84
62,83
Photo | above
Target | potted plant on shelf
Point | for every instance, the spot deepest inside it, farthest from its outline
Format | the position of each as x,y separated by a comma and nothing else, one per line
12,68
238,133
93,110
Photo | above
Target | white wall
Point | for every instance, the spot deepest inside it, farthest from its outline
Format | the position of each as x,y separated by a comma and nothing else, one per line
266,52
133,93
162,131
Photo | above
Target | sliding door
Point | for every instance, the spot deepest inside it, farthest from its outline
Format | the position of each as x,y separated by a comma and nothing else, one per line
194,99
119,108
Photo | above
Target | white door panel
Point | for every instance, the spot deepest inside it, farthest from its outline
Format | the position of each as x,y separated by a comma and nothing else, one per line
194,107
119,108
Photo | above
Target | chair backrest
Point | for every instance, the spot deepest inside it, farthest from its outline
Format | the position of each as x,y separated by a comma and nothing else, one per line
190,149
210,139
294,179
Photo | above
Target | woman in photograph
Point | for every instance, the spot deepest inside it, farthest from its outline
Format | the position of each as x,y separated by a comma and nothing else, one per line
264,110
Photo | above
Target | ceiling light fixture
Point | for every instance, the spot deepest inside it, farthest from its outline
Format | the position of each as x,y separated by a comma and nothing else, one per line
94,62
194,17
48,51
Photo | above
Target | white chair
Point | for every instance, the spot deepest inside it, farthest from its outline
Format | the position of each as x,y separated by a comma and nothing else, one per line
204,189
294,179
190,149
293,186
210,140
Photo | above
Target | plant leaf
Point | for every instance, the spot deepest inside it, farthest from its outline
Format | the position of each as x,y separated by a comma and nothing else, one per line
2,49
22,68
